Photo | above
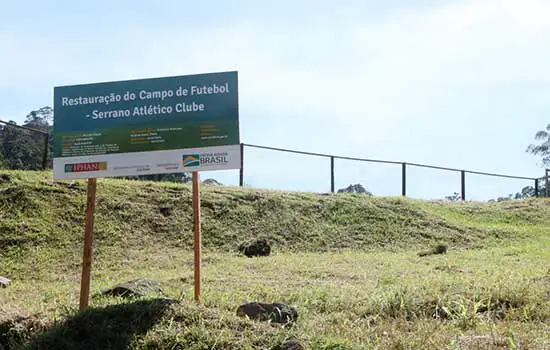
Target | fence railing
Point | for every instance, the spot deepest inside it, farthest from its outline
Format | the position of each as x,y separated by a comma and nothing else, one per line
404,166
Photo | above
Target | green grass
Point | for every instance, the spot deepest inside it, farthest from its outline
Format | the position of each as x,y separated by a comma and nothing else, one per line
348,263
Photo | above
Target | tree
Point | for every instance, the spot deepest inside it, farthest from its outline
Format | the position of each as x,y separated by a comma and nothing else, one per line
357,188
527,192
3,162
455,197
542,149
24,149
21,150
41,119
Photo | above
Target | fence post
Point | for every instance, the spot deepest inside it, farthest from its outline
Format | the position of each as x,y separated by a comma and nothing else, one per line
241,170
46,147
546,184
536,188
463,184
404,179
332,174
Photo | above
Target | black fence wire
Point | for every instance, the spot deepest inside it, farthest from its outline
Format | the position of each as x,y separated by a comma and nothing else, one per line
404,166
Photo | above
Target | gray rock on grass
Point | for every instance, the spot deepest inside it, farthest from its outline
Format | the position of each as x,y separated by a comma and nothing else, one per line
4,282
255,247
5,178
439,249
274,312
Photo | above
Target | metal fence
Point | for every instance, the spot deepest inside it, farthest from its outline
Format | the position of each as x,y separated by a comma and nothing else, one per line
404,166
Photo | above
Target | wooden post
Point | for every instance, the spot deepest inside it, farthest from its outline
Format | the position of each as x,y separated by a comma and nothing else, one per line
88,238
332,187
463,184
404,179
546,183
241,170
536,188
197,230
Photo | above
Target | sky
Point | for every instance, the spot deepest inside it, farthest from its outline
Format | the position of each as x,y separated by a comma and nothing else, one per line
462,84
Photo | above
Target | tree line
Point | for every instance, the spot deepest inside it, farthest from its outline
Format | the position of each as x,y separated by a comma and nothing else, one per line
540,149
24,149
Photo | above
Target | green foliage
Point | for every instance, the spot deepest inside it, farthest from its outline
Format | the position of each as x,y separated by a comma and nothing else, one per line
454,197
24,149
3,161
41,119
355,188
21,150
543,148
526,192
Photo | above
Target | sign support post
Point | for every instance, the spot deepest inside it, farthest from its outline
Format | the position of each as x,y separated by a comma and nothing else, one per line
197,233
88,238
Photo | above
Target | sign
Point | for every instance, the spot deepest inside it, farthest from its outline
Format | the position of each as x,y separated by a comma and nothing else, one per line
148,126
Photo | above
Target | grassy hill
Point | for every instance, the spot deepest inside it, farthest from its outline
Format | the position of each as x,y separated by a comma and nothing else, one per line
35,211
348,263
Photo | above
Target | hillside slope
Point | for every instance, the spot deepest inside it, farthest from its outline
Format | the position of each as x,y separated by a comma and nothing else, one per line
348,263
36,211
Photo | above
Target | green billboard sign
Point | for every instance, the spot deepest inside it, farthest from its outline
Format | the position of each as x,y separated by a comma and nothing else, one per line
142,126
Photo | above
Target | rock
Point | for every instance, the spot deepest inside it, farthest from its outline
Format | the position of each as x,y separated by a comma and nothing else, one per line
290,345
275,312
5,178
212,182
23,226
4,282
73,184
255,247
134,288
165,210
439,249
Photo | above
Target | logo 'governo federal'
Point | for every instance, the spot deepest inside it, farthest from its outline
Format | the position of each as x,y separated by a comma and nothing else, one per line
191,160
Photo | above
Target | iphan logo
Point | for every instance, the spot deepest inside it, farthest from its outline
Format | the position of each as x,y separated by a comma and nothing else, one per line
83,167
191,160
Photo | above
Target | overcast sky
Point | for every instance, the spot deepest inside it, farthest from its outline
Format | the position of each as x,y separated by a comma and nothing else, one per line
464,84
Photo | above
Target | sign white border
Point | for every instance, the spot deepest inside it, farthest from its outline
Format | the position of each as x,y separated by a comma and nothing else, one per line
149,163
